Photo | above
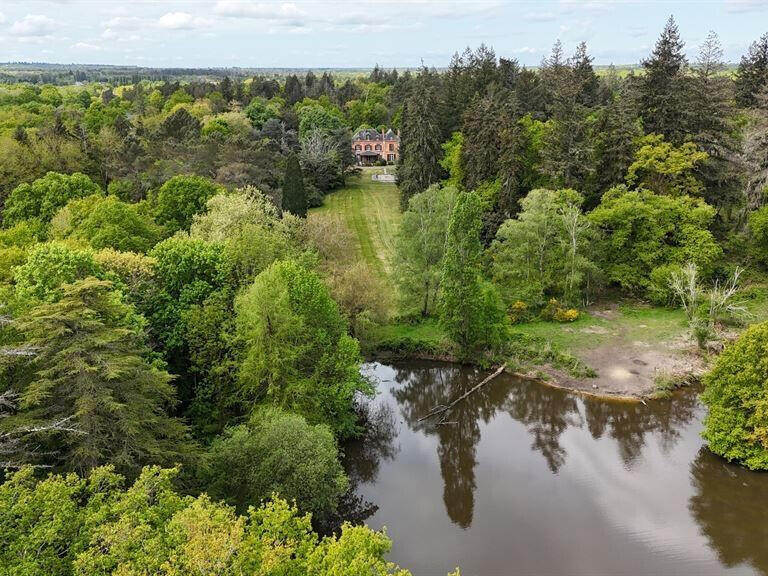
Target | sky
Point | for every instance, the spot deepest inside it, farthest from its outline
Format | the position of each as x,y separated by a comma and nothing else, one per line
357,33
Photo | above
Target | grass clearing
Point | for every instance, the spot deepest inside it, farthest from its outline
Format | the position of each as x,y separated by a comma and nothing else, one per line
371,210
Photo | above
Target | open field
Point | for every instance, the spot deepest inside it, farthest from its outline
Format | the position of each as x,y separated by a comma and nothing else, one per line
371,211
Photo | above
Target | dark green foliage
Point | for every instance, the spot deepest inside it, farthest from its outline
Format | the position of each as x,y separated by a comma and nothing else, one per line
90,369
294,194
752,75
277,453
422,136
182,197
736,393
297,353
43,198
181,125
664,87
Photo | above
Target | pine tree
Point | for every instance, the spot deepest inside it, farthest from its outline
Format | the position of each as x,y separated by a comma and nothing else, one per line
293,90
618,128
663,87
752,75
294,194
712,124
90,366
422,137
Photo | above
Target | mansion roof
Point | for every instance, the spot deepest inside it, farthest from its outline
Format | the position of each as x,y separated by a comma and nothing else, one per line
371,134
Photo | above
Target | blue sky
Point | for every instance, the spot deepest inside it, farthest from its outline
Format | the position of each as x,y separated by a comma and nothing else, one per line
356,33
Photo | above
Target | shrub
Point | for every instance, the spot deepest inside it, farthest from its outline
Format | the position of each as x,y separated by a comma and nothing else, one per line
563,315
518,312
736,393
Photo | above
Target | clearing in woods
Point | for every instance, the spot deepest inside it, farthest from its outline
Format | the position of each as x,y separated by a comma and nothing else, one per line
371,210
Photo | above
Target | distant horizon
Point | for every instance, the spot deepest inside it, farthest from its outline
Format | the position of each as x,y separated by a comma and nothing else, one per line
339,35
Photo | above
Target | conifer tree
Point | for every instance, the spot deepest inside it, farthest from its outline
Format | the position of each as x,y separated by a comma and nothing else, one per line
422,137
91,367
663,87
712,124
294,194
752,75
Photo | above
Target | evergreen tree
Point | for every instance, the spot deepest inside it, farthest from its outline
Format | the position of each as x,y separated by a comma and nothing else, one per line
567,155
293,90
585,76
91,367
752,75
712,124
422,137
618,128
470,307
294,194
663,87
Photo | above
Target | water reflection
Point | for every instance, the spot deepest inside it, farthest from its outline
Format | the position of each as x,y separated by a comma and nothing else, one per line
557,482
545,412
730,508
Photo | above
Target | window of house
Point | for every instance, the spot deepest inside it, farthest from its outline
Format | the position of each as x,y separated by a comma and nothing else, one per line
367,147
378,146
358,147
391,146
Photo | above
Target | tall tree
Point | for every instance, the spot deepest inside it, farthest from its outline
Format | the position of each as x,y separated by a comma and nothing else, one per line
422,138
293,90
712,125
91,366
470,307
663,87
752,75
294,194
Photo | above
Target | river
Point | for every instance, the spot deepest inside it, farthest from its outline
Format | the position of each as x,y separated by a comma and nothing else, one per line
522,478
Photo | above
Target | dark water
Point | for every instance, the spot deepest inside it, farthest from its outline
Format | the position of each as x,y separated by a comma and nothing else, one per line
527,479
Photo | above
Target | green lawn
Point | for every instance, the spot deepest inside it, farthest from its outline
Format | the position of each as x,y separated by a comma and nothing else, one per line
372,212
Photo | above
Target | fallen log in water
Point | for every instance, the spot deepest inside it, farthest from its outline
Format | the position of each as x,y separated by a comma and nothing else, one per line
443,409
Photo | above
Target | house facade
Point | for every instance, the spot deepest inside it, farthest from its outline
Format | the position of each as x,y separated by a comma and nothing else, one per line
371,146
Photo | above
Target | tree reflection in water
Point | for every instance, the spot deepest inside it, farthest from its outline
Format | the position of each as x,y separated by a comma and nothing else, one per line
546,413
729,508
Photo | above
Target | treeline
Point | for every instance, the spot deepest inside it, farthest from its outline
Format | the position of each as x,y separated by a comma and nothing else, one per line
529,194
619,180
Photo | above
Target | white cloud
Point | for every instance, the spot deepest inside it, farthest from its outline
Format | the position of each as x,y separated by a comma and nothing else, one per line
525,50
181,21
540,16
125,22
742,6
85,46
33,25
258,10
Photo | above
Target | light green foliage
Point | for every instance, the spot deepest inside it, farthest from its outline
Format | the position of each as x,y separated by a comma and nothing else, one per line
315,117
758,228
277,452
180,198
421,245
14,245
90,367
544,252
451,161
45,196
49,266
260,110
297,353
470,308
106,222
665,169
643,231
179,97
68,526
249,227
736,393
